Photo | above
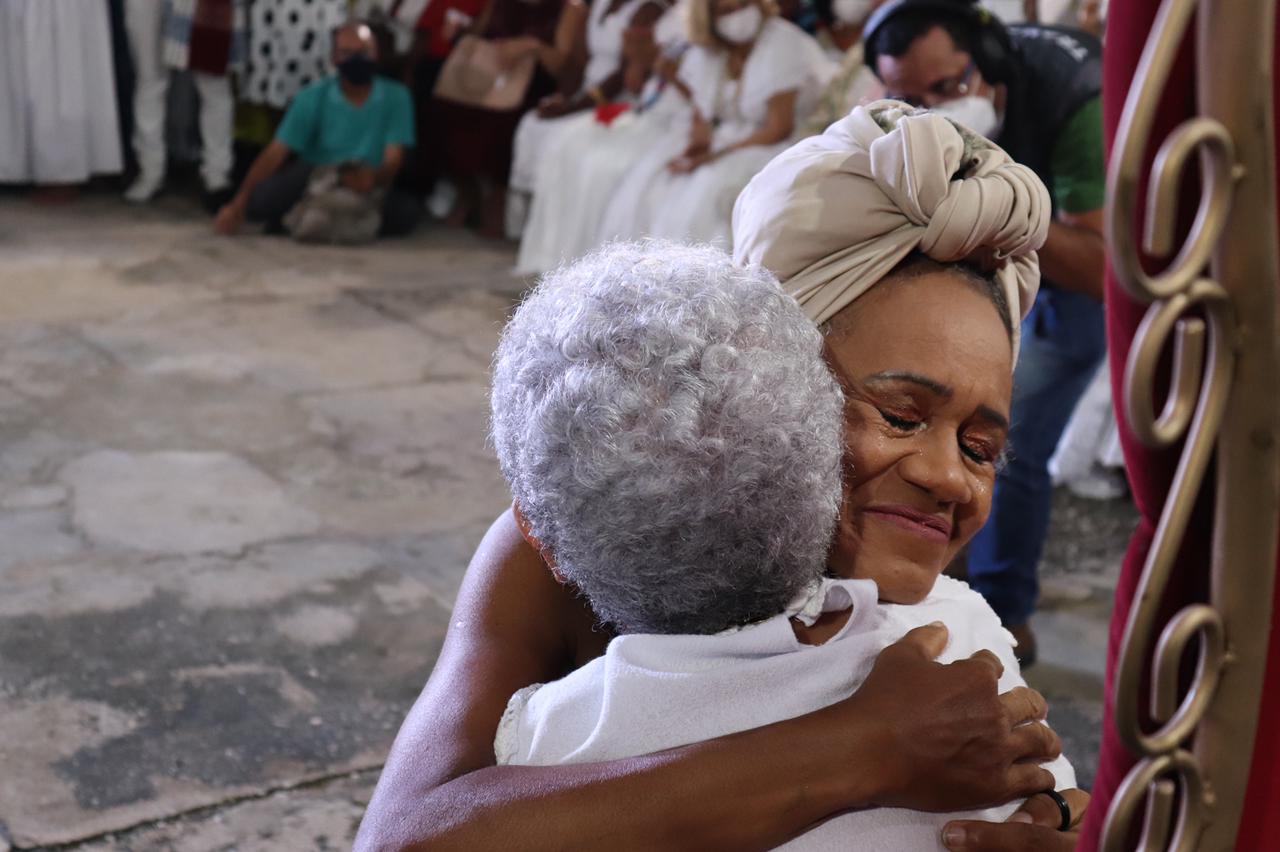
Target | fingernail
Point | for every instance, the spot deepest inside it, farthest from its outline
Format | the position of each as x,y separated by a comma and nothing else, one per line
953,836
936,624
1020,816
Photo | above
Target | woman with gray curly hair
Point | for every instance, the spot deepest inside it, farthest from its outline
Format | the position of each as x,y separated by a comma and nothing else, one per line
868,227
658,389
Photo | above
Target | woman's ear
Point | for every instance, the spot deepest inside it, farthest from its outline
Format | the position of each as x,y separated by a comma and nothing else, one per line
526,530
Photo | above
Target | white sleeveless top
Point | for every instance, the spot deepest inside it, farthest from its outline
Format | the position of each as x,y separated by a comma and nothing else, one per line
651,692
604,39
784,58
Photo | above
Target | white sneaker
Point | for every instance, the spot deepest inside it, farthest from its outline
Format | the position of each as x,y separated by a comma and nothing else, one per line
442,199
143,189
1099,483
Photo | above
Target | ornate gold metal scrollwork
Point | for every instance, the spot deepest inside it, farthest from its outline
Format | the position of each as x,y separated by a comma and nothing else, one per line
1194,793
1195,401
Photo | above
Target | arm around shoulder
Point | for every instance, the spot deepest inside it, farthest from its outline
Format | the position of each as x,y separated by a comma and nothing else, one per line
916,734
441,789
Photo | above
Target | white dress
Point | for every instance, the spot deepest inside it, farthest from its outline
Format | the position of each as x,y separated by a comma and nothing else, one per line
536,135
654,202
578,175
58,121
581,174
650,692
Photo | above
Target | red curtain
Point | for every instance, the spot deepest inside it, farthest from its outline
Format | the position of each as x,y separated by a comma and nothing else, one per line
1151,472
1260,825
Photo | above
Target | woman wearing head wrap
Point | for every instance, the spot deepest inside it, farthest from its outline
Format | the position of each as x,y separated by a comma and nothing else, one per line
834,214
925,361
662,390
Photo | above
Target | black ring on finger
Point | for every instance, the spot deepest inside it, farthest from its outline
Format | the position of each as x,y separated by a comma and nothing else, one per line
1063,808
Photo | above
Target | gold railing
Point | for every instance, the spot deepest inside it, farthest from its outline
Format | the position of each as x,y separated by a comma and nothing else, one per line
1217,301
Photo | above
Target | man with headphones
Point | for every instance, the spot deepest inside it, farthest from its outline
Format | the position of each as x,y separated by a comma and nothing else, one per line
1036,92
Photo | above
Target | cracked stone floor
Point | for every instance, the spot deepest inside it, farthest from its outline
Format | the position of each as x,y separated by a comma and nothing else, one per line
239,483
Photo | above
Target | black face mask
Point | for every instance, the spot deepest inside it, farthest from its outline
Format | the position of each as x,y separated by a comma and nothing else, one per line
357,70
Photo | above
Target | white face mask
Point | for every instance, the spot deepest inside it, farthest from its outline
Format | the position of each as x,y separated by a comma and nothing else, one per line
741,26
851,11
974,112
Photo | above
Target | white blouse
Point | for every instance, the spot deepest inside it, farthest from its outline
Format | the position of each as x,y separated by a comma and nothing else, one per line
652,692
604,39
784,58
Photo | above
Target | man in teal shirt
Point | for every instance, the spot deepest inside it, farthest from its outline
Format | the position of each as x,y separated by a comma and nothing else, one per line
353,119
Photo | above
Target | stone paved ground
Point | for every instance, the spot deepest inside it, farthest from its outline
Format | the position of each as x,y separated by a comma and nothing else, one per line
239,482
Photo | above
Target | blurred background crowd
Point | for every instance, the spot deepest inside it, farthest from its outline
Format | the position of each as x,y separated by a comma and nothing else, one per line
558,125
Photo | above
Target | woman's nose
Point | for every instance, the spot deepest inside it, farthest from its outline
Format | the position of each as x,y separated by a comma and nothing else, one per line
937,467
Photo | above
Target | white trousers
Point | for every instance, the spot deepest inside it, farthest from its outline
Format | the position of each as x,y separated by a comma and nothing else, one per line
144,21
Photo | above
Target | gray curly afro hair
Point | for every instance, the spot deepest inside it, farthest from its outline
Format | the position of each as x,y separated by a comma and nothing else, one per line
672,435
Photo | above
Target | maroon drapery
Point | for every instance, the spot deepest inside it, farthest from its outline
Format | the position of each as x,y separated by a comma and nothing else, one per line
212,28
1151,472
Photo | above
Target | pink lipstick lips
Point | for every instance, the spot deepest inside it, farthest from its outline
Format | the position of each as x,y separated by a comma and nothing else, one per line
913,520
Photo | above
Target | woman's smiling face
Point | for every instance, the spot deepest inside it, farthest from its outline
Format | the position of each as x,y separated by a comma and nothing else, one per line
926,365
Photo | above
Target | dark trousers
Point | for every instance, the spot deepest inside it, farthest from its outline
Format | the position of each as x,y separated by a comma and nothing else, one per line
275,196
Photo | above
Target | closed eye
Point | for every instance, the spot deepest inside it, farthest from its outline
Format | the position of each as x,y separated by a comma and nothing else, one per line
998,460
900,423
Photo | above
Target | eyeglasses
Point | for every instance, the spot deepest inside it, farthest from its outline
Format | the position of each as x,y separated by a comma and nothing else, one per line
946,89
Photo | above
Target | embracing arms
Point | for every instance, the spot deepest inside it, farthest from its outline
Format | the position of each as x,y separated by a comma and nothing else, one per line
917,734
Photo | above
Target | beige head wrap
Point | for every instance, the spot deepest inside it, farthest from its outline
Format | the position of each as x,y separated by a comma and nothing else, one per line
834,214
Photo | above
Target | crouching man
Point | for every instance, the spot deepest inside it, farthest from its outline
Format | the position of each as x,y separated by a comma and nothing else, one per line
329,173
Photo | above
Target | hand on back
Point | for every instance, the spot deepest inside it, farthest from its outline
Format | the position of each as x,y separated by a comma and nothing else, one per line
1034,827
948,740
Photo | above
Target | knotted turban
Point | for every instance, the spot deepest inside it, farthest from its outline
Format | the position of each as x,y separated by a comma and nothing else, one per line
835,213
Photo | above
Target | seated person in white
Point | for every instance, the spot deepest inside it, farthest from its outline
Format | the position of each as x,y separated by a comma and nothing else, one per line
581,172
603,79
752,78
673,437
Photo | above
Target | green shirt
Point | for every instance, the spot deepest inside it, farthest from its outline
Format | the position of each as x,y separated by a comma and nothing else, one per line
324,128
1079,175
